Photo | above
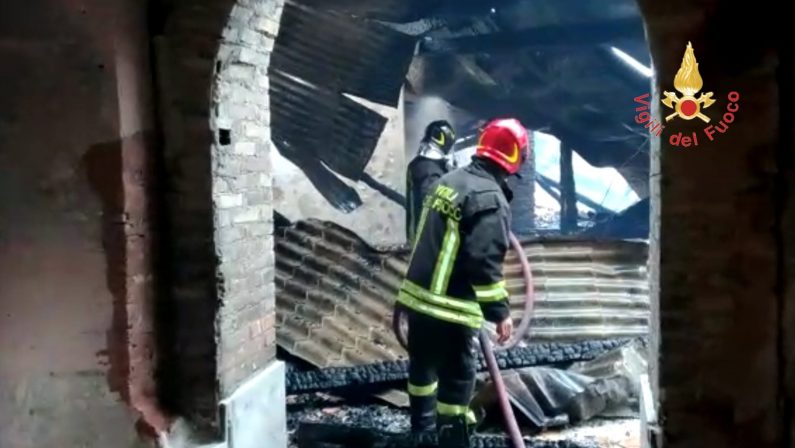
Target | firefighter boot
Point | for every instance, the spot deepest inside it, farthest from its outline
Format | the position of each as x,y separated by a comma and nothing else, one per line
423,420
425,439
453,432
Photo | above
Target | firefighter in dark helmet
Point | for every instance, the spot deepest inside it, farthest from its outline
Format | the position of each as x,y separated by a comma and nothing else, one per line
431,162
455,281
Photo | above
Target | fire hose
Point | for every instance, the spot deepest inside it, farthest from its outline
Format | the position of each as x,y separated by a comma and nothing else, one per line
485,344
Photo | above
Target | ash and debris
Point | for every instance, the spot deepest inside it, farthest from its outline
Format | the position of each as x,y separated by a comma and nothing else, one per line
321,408
551,392
325,408
614,433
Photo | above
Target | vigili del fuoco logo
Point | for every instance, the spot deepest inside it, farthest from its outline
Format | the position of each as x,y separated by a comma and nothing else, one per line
688,83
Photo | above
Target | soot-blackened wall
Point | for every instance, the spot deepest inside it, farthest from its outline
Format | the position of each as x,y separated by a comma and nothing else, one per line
76,278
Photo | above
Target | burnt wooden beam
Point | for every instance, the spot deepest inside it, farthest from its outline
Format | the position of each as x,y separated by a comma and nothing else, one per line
387,373
582,34
523,202
552,188
486,102
624,72
384,189
568,193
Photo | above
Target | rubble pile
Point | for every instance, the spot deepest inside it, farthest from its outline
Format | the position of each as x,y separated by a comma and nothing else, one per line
572,396
323,408
326,435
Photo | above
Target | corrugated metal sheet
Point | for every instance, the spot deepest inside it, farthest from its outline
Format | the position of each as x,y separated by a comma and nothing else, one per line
342,53
584,289
314,122
335,293
392,10
334,296
318,57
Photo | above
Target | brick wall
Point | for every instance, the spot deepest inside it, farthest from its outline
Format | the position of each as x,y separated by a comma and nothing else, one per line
213,57
716,242
242,193
185,58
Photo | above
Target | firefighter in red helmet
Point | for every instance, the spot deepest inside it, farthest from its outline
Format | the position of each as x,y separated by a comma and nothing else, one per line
454,282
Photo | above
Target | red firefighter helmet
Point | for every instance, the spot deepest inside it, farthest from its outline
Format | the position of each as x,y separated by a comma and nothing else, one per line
505,142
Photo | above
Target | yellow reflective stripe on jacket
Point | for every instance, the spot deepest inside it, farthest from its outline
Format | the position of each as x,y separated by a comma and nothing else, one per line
491,293
438,312
423,391
446,260
455,410
465,306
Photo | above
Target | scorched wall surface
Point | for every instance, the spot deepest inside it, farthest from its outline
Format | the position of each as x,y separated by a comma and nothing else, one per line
75,111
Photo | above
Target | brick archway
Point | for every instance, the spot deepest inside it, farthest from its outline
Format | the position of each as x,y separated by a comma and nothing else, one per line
218,350
713,317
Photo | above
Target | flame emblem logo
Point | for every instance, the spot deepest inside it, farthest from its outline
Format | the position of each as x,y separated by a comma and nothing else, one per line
688,82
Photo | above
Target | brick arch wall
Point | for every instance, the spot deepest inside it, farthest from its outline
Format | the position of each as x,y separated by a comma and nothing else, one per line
242,192
721,317
217,318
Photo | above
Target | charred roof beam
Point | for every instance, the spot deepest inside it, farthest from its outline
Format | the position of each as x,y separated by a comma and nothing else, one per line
633,77
568,35
597,153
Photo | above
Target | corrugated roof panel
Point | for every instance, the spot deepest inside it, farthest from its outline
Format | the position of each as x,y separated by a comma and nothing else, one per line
343,53
393,10
319,56
335,293
310,121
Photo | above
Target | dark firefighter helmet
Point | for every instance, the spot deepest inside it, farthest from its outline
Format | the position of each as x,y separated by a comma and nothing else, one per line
441,134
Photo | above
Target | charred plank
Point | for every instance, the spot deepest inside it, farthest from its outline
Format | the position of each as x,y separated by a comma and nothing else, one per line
384,373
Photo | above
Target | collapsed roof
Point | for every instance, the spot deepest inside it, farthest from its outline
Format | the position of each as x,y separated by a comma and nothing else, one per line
555,64
559,66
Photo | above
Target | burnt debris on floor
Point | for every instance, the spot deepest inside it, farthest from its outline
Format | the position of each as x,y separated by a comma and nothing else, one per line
317,435
548,397
588,403
383,373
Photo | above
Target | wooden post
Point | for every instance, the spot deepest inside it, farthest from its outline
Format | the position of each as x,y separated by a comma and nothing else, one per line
530,173
523,203
568,192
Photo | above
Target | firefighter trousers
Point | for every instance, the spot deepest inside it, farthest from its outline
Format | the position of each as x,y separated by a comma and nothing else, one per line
442,369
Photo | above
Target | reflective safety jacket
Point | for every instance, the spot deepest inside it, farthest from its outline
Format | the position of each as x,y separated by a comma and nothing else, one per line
422,173
455,272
